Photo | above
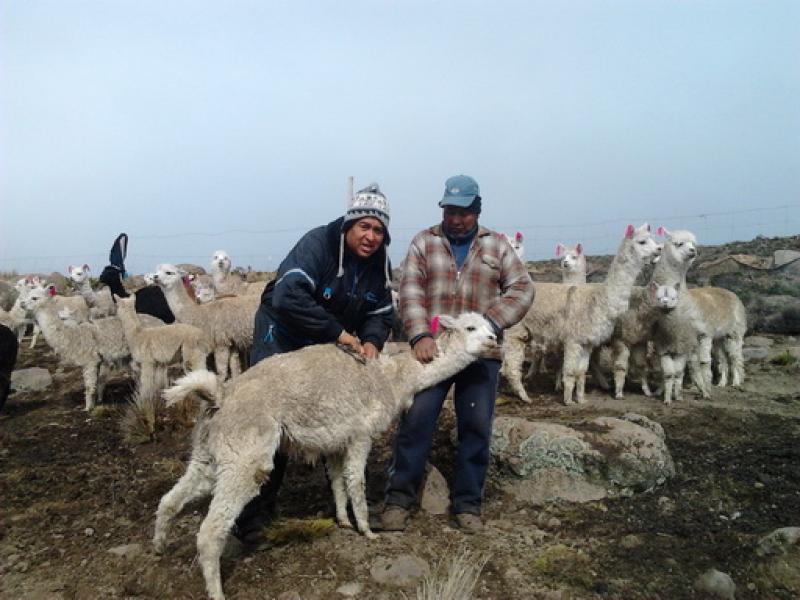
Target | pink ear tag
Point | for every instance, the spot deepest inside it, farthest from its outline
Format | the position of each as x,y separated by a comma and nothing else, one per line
51,291
660,231
579,249
519,237
558,250
629,231
435,324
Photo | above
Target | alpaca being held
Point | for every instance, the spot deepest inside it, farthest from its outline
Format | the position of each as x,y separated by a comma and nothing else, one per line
333,412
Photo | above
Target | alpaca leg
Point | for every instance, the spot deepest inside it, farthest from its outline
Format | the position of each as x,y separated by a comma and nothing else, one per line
696,372
355,461
669,377
512,366
221,358
198,481
621,357
722,364
335,465
35,335
195,358
733,350
572,353
678,370
583,367
704,356
90,385
235,363
147,379
236,485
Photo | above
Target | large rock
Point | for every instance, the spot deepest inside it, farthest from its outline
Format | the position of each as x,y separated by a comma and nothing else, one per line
784,257
34,379
580,463
716,584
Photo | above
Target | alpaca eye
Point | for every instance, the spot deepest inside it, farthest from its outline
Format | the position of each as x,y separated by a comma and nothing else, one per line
470,328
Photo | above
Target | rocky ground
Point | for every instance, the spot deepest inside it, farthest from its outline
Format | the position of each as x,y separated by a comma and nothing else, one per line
78,504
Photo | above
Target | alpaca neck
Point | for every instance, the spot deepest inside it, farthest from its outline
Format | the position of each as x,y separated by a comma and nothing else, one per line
179,302
85,289
573,277
413,376
219,277
670,268
130,322
622,274
55,332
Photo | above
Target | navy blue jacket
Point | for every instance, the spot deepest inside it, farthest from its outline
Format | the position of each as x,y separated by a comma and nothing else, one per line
311,304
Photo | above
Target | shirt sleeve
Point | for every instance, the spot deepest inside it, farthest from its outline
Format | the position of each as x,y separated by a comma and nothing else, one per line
378,322
412,290
517,291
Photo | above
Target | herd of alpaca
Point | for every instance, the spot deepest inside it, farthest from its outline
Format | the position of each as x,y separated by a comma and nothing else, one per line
663,327
96,331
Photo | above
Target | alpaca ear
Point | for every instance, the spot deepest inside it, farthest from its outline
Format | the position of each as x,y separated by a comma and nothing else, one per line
629,231
86,267
518,237
661,232
646,226
579,248
559,249
446,322
504,236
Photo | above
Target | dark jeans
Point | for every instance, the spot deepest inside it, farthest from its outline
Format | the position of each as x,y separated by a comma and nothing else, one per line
267,340
475,393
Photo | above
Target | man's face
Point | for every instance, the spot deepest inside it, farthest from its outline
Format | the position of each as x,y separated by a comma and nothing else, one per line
365,237
458,221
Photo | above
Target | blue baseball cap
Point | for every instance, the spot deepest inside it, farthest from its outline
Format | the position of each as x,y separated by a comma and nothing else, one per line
461,191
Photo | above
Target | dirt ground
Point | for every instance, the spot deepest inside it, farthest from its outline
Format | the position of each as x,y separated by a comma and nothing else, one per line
70,490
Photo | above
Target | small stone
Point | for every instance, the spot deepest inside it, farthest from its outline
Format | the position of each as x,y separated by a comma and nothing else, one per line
758,485
349,590
34,379
22,566
553,523
757,341
400,571
126,550
290,595
751,587
13,559
631,541
716,583
88,532
513,574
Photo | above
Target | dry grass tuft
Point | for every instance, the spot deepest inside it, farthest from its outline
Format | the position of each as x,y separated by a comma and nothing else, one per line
453,578
140,418
298,530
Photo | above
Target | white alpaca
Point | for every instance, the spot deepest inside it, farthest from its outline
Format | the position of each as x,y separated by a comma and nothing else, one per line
516,243
100,302
229,322
334,413
578,317
223,281
573,263
155,349
92,346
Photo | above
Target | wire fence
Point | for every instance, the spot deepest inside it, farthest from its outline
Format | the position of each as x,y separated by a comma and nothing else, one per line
599,237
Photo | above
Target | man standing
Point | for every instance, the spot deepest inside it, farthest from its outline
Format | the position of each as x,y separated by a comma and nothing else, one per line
451,268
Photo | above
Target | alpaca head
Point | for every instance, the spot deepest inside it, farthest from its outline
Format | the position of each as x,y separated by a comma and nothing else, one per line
26,284
468,330
639,243
664,297
680,247
221,262
168,276
149,278
572,258
35,298
78,274
203,292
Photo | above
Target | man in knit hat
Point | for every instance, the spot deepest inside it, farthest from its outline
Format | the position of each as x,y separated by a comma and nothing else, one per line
333,286
454,267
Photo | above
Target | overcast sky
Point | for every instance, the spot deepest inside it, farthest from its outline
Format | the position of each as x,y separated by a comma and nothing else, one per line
195,126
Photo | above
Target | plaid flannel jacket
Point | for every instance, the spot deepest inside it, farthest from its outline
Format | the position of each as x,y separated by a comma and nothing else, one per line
492,281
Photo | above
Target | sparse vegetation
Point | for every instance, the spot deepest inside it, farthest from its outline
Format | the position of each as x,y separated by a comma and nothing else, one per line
784,359
453,577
